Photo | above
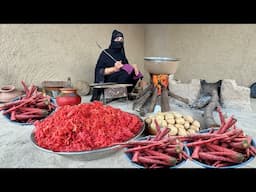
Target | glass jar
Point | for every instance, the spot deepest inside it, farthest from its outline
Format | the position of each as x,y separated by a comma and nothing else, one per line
68,96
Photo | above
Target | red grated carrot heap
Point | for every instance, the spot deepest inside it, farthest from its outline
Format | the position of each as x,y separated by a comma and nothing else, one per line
87,126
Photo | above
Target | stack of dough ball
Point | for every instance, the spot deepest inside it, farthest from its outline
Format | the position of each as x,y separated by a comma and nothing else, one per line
178,124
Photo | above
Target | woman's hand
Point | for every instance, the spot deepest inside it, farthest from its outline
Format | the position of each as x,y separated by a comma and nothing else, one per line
136,69
118,65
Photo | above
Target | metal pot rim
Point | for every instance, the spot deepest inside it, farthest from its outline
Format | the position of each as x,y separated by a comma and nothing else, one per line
160,59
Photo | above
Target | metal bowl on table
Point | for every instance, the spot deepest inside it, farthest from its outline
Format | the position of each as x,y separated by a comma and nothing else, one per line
88,155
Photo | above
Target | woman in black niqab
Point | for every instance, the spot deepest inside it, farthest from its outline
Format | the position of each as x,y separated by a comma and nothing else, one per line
106,71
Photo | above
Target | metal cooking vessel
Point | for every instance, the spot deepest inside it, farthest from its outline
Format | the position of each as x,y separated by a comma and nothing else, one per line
161,65
88,155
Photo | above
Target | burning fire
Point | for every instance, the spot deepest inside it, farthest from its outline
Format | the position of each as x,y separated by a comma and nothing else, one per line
159,81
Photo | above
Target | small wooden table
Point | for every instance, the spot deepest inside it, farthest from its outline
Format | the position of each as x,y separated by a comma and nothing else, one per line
112,90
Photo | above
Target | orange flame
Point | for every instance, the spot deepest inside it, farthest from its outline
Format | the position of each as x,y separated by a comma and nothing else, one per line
160,80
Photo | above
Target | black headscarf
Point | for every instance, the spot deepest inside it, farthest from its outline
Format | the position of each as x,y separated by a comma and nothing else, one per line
116,50
116,44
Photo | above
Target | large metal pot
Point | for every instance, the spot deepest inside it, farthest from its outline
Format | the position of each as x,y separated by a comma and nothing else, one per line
161,65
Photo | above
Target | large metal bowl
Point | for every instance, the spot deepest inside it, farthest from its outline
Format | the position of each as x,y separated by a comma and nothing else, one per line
161,65
88,155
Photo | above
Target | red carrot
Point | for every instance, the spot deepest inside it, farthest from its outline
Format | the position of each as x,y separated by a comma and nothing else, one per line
161,134
222,164
171,162
207,156
25,101
247,152
32,89
227,125
140,148
221,116
176,149
205,141
240,145
43,104
135,156
157,126
156,153
233,132
253,150
196,151
21,117
216,163
154,166
185,155
42,112
237,157
13,115
198,136
10,104
25,87
220,148
30,109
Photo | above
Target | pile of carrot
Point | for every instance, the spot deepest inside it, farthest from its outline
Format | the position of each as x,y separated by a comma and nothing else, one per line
30,107
224,146
85,127
160,151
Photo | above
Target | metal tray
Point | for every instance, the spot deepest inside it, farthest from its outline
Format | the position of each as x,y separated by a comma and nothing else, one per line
88,155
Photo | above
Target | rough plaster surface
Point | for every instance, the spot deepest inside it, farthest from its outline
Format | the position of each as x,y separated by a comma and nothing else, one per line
38,52
234,96
186,90
207,51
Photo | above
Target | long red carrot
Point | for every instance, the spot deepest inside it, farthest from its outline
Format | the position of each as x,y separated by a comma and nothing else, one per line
156,153
221,116
172,161
227,125
222,164
237,157
205,141
140,148
207,156
21,117
240,145
135,156
30,109
25,87
220,148
24,102
253,150
161,134
176,149
198,136
157,127
13,118
42,112
196,151
10,104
